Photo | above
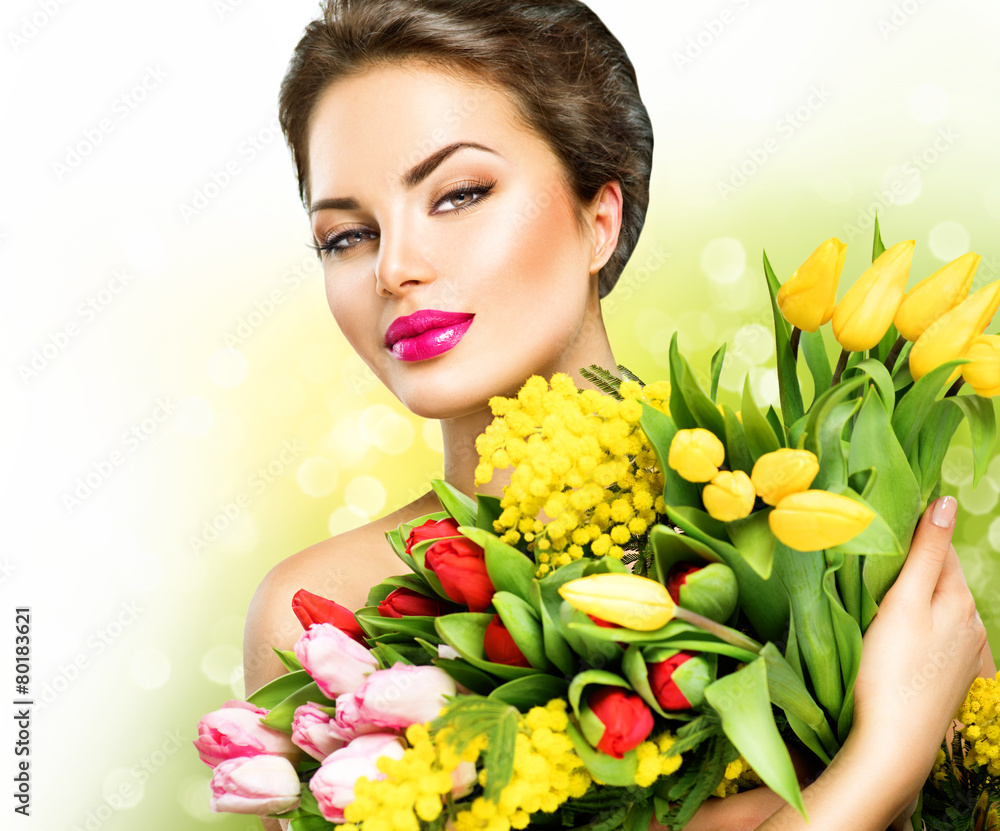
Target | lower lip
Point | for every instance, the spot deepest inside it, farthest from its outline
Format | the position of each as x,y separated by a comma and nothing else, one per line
431,343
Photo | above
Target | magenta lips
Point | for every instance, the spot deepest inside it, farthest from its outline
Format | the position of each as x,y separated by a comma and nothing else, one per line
426,334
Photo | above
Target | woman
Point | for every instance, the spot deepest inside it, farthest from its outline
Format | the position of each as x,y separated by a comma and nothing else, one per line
476,175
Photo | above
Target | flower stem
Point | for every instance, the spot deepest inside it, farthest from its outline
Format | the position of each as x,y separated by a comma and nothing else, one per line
794,342
954,388
897,347
722,632
841,366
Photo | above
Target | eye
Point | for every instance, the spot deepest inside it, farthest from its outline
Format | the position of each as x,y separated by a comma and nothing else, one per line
340,243
465,195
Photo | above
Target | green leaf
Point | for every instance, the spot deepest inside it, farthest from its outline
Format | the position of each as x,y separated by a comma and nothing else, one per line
814,351
824,427
789,391
931,447
759,433
413,582
754,540
775,421
877,247
459,506
509,569
464,633
689,405
914,407
524,626
412,625
848,635
273,692
738,454
883,382
280,717
717,360
388,655
670,548
531,691
610,771
982,429
556,648
660,429
741,699
309,823
467,675
287,657
487,511
499,757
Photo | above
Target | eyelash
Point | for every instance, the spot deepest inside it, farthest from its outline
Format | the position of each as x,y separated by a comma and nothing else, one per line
481,188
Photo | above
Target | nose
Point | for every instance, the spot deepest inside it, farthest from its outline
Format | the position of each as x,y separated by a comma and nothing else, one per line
403,262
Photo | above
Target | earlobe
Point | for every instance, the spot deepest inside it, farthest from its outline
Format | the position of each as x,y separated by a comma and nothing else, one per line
606,224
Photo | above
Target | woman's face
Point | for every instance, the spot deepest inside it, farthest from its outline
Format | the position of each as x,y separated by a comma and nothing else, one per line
455,263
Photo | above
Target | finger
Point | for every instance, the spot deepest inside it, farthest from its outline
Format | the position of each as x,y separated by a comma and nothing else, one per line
929,550
952,579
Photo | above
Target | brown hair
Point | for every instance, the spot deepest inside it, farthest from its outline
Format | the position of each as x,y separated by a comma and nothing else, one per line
571,77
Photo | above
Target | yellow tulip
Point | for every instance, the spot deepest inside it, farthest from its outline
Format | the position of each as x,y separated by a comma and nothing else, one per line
626,599
817,519
777,474
729,496
983,374
935,295
865,313
696,454
948,337
809,296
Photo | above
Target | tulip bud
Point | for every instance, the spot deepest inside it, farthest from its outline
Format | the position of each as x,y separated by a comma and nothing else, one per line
314,732
951,334
336,662
783,471
983,374
865,313
729,496
678,682
405,602
310,608
499,646
696,454
236,730
618,721
395,698
460,565
333,782
809,296
632,601
817,519
255,785
433,529
935,295
710,591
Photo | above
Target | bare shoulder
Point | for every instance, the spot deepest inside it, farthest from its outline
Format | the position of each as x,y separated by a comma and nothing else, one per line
342,568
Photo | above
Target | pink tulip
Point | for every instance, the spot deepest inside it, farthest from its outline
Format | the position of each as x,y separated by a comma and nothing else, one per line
348,722
336,662
333,783
313,730
255,785
235,730
402,695
463,779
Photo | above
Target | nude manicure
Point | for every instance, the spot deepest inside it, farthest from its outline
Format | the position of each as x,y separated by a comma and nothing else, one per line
943,512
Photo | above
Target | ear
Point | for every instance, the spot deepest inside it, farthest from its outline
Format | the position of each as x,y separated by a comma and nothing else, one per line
606,222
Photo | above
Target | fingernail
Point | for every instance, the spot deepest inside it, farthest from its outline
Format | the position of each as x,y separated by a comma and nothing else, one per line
943,512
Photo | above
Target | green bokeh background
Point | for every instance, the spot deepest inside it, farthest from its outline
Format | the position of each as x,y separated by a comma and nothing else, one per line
776,126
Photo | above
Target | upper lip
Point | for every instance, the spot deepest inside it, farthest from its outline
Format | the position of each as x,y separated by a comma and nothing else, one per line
422,321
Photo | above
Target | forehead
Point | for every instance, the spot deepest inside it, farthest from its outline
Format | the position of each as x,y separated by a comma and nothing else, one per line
388,118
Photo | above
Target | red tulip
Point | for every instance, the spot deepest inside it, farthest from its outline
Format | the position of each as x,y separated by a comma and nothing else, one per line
626,718
661,681
500,647
310,608
460,565
433,529
677,577
406,602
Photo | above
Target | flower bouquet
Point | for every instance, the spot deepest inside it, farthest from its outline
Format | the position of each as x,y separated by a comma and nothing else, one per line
669,595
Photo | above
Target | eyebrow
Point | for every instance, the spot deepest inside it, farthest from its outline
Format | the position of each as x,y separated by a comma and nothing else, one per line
413,177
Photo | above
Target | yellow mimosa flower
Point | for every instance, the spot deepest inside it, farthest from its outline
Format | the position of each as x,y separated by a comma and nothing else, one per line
809,296
696,454
983,374
865,313
729,496
626,599
935,295
949,336
817,519
783,471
